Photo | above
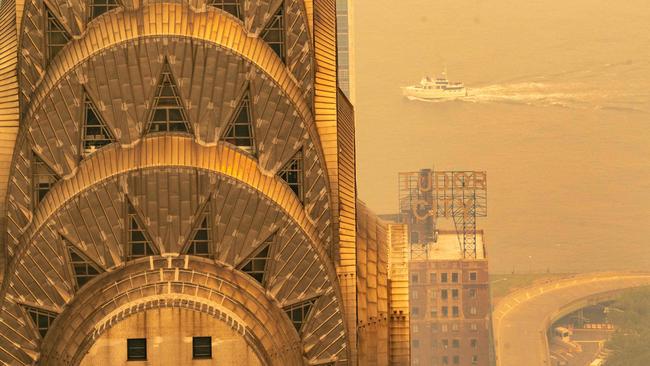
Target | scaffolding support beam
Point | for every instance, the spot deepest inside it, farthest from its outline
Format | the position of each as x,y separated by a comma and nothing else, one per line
429,195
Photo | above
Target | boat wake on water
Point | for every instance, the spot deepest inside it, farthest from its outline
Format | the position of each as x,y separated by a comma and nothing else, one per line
569,95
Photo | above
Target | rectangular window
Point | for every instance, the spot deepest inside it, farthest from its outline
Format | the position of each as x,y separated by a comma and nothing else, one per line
472,276
456,360
454,327
445,343
414,278
472,293
473,343
455,343
414,295
445,360
454,312
474,360
201,347
473,327
443,277
443,294
434,313
454,277
473,310
416,328
454,294
445,311
136,349
416,343
432,277
444,328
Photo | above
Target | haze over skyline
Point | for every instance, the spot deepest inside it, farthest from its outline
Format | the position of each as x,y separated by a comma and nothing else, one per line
558,115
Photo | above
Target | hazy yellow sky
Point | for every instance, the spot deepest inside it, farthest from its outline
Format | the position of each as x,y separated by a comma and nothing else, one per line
559,119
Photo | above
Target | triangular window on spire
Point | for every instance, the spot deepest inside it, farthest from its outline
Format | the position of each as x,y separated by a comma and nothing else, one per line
299,313
200,238
42,319
57,37
83,268
292,173
95,132
273,34
231,6
256,266
99,7
43,179
240,130
167,112
139,243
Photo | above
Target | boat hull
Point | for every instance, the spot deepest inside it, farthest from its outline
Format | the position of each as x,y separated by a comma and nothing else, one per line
434,93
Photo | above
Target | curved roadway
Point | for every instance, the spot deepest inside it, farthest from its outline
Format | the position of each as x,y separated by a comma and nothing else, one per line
520,320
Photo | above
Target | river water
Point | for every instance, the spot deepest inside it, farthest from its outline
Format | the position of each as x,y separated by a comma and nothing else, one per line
558,115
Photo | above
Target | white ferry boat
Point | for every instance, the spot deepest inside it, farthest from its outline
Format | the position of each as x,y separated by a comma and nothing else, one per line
438,88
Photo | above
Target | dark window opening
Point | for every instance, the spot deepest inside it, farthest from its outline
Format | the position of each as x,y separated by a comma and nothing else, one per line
168,114
95,133
136,349
292,173
57,36
298,313
202,347
454,277
240,130
273,34
139,243
455,312
256,266
43,179
84,270
99,7
231,6
472,276
201,237
42,319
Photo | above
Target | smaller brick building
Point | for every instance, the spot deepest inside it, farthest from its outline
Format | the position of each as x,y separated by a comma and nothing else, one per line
449,303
